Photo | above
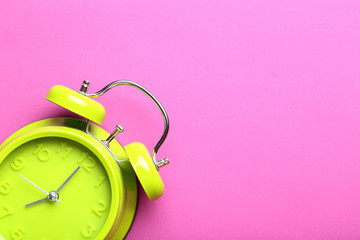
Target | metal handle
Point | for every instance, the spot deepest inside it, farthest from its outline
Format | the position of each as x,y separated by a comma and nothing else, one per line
161,162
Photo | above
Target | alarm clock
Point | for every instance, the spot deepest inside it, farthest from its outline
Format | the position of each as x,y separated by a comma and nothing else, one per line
68,178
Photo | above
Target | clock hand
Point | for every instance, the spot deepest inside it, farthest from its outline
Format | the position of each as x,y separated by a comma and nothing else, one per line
34,184
36,202
37,186
51,194
67,180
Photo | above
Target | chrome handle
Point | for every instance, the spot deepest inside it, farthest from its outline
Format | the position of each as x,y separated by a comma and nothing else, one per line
161,162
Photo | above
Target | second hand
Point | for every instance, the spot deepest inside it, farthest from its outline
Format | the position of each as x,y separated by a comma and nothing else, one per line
37,188
52,196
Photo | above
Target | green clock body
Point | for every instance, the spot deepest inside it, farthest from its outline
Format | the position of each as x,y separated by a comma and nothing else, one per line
98,201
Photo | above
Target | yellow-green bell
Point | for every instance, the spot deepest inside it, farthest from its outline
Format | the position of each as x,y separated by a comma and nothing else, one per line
77,103
145,170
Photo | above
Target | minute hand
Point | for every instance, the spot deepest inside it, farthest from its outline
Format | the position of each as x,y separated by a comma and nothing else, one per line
67,180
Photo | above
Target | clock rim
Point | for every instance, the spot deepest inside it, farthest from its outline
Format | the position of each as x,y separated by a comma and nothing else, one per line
115,179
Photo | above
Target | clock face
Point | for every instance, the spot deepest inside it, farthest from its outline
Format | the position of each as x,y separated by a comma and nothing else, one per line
53,188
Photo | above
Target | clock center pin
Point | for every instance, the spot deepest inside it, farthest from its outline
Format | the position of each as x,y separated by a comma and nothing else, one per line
53,196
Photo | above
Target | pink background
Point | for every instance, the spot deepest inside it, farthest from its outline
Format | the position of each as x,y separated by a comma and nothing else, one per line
263,99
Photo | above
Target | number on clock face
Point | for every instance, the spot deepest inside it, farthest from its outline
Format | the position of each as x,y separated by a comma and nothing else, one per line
6,211
47,163
18,233
18,164
5,187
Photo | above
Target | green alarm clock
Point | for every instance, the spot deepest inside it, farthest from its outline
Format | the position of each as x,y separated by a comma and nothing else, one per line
67,178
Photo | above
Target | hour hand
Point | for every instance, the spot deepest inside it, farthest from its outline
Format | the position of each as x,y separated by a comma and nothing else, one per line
36,202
